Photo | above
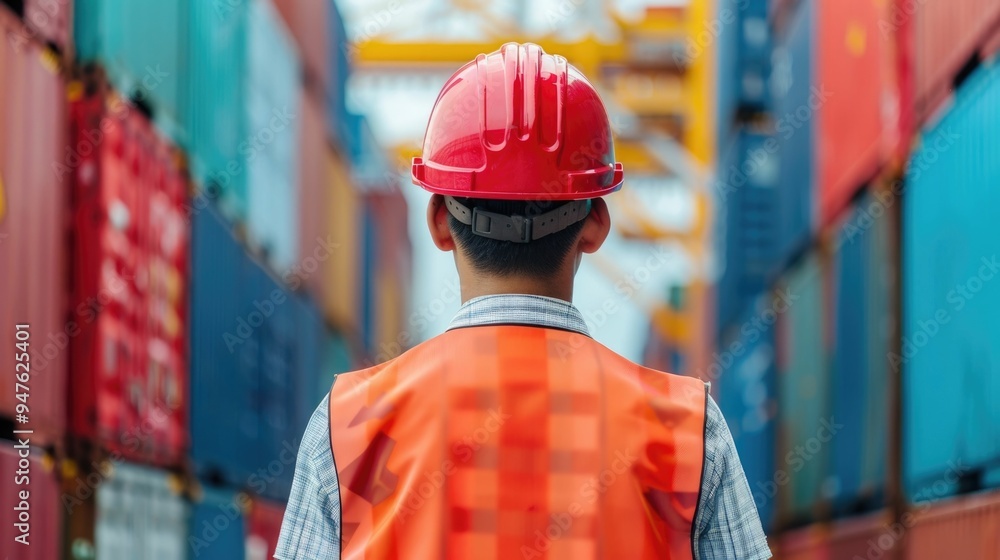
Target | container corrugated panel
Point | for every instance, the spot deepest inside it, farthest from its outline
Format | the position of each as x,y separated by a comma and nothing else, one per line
861,299
340,71
810,543
337,358
858,122
868,536
32,229
143,48
395,277
246,363
316,244
273,118
967,527
946,35
312,348
950,300
795,103
214,111
50,20
806,427
41,513
744,60
307,20
130,259
748,400
218,525
343,272
748,174
140,516
263,528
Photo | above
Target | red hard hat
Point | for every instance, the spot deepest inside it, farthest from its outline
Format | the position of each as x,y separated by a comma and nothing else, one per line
518,124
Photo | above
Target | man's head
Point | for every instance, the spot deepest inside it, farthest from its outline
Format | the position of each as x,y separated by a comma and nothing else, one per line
518,154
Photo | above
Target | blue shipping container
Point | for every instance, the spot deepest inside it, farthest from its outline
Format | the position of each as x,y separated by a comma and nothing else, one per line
246,365
861,299
795,105
748,400
142,47
744,60
272,91
745,196
218,527
336,95
951,297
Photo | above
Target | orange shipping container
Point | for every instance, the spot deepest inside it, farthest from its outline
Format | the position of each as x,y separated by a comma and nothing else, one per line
341,273
32,214
859,109
810,543
967,527
313,194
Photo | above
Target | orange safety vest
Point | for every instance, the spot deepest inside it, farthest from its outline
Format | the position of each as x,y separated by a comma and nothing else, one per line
497,442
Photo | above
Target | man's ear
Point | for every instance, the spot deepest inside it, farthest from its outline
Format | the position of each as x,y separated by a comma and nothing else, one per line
437,224
596,227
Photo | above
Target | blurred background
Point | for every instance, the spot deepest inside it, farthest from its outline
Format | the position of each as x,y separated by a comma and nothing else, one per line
206,214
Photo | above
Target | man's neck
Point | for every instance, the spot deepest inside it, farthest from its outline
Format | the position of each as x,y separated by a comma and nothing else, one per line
489,286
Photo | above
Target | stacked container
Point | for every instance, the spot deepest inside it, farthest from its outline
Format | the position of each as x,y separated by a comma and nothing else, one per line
130,258
32,227
44,521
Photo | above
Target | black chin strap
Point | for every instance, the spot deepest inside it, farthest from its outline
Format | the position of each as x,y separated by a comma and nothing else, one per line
518,229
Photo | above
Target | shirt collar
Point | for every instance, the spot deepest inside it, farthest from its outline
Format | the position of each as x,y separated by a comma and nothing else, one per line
520,309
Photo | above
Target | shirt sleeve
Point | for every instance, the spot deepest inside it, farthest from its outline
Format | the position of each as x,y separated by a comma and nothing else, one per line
311,526
727,523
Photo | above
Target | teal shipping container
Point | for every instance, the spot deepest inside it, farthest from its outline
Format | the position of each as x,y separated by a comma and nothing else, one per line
214,115
143,47
218,524
805,424
861,276
950,355
272,95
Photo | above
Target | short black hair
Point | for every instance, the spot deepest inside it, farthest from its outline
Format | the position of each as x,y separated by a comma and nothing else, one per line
537,259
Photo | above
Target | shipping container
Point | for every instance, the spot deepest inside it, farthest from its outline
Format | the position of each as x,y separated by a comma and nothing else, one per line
795,103
130,261
861,277
743,61
316,244
858,119
868,536
341,51
810,543
273,118
308,20
806,427
32,230
218,524
747,236
337,358
342,273
748,400
967,527
246,338
951,335
142,45
29,469
214,106
48,21
263,529
136,513
946,40
311,356
388,274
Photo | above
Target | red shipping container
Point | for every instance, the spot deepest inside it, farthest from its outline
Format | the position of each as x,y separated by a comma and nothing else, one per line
52,20
859,119
810,543
316,237
967,527
307,20
946,35
871,536
263,528
44,517
32,217
129,301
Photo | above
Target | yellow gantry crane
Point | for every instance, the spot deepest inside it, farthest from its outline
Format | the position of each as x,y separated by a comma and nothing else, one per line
657,74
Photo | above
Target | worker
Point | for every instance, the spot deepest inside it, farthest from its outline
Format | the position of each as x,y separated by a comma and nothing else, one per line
515,434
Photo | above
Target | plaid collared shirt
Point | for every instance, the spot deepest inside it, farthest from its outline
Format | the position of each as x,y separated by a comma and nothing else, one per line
726,526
